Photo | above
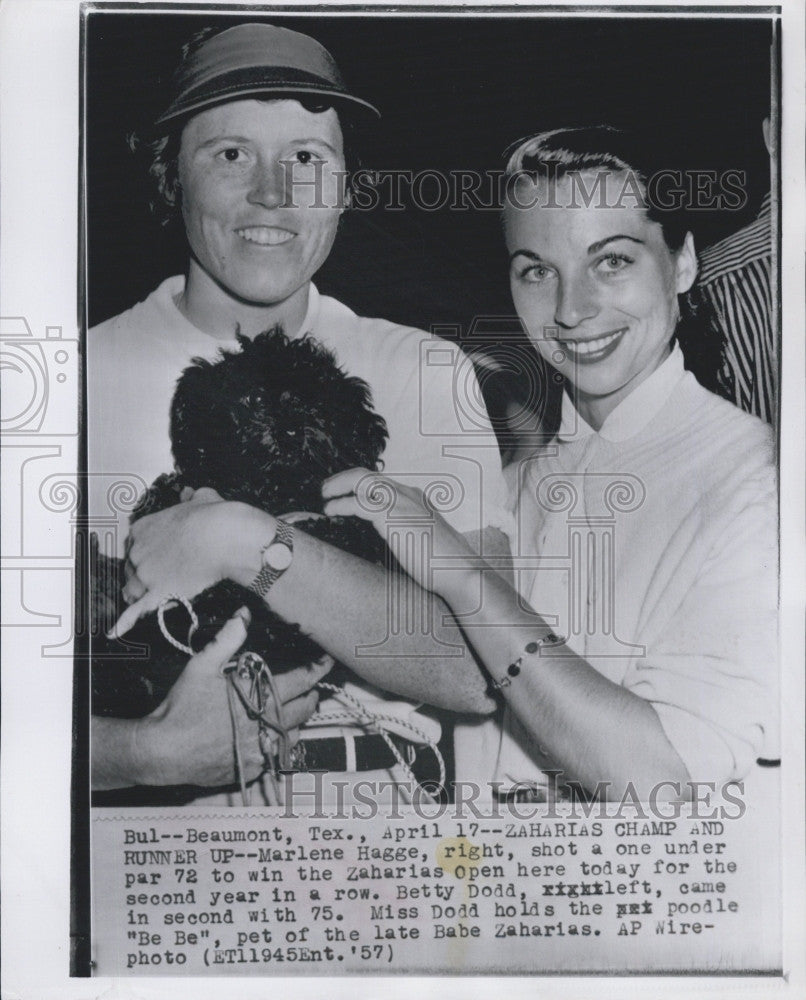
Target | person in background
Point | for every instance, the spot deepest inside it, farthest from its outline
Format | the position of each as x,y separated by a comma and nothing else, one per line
737,284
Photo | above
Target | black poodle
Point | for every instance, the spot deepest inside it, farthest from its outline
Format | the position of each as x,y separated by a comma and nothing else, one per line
265,425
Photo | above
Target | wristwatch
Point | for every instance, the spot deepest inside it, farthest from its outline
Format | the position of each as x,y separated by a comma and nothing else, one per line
275,559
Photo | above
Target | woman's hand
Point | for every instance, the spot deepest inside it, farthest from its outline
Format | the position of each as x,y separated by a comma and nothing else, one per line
372,496
190,737
183,550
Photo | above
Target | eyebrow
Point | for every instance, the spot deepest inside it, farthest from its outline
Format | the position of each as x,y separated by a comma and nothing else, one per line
525,253
213,140
316,141
593,248
309,141
596,247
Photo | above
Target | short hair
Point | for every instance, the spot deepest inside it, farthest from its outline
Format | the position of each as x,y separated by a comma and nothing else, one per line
555,154
161,151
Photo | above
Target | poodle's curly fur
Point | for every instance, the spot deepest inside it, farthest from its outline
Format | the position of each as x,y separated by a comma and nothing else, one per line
265,425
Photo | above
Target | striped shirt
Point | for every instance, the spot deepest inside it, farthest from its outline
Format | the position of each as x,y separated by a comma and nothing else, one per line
736,281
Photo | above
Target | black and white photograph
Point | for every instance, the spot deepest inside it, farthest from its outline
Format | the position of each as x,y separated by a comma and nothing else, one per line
403,497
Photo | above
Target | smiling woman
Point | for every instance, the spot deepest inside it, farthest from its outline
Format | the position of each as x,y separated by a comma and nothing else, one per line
593,278
636,648
257,168
262,193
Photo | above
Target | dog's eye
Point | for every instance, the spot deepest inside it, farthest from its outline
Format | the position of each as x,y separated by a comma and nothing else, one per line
291,433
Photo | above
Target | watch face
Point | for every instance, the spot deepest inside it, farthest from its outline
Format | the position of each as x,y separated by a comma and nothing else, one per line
278,556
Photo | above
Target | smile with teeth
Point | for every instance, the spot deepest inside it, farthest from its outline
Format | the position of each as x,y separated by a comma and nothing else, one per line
593,348
265,236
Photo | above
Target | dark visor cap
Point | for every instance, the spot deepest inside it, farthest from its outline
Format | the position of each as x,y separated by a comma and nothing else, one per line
252,60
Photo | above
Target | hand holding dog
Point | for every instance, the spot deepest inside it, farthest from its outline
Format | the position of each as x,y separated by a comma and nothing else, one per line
186,548
189,738
370,495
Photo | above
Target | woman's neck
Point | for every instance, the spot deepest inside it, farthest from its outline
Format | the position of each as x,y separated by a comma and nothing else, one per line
594,410
210,308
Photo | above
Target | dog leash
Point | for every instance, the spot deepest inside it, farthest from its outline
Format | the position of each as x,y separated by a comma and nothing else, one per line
249,678
169,602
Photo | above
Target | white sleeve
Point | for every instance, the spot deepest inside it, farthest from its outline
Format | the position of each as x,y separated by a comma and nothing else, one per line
454,437
712,671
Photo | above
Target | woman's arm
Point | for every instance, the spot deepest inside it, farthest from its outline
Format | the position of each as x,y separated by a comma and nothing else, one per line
347,605
593,729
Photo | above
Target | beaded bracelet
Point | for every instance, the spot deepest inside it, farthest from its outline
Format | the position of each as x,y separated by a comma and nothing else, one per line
550,639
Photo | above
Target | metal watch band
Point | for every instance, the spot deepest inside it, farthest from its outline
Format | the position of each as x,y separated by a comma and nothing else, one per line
268,575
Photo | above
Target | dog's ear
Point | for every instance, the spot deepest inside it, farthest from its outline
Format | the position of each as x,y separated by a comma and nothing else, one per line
370,440
377,437
366,431
195,419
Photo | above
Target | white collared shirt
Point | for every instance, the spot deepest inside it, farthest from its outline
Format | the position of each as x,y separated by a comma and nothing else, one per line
652,545
634,412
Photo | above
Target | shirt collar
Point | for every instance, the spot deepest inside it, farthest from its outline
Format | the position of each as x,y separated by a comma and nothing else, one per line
176,285
634,412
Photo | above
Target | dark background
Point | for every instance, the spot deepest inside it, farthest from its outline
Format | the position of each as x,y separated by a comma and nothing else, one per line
455,91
